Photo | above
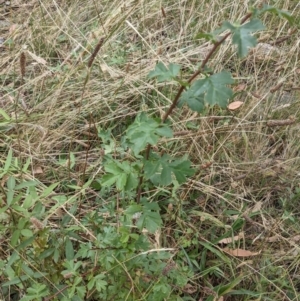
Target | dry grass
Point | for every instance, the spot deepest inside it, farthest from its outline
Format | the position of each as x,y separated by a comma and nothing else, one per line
245,168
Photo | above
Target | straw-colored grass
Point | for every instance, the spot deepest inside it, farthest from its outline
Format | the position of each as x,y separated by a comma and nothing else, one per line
247,168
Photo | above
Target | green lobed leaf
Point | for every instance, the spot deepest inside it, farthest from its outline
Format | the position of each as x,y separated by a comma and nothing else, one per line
163,73
101,285
278,12
133,209
149,217
145,130
131,182
150,205
91,283
123,174
181,169
108,180
81,291
211,90
193,100
242,35
149,220
160,169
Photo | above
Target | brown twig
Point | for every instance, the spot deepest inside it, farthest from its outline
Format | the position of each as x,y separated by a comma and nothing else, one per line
271,123
23,65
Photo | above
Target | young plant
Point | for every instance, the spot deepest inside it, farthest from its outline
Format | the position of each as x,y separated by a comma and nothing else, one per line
110,254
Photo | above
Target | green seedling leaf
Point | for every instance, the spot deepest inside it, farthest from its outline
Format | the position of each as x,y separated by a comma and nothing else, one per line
26,243
163,73
243,292
35,292
161,291
242,35
215,251
72,159
21,223
16,280
69,249
66,219
160,169
12,259
10,197
225,289
26,165
25,184
211,90
18,208
278,12
8,160
49,190
27,270
206,216
81,291
99,282
26,232
144,131
15,237
4,115
11,183
211,36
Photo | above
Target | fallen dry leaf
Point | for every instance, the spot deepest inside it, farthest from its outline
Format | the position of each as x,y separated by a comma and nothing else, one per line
256,95
190,289
234,105
295,238
36,58
229,240
38,170
12,28
273,238
240,252
257,207
245,262
240,87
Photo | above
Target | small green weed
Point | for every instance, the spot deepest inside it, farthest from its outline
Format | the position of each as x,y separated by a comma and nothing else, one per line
106,231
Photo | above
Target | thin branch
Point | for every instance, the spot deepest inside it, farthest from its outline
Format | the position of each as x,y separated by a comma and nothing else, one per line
200,70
